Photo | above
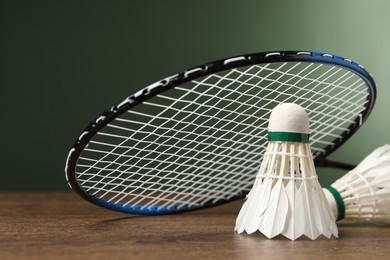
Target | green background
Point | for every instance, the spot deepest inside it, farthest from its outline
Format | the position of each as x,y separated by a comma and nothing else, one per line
64,62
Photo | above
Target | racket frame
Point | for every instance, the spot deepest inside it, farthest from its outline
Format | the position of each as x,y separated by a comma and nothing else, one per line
205,70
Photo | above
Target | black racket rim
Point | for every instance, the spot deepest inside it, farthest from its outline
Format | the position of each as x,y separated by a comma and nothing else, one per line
205,70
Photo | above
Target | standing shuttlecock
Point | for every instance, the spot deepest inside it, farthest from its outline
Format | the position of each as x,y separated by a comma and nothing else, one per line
363,194
286,197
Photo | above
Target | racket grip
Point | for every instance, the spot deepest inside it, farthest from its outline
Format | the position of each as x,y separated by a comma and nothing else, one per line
334,164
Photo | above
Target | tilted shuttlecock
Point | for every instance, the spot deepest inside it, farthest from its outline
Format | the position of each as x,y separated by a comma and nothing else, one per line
363,194
286,197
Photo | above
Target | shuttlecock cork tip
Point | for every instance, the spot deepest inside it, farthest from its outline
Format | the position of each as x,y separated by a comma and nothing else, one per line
288,123
289,117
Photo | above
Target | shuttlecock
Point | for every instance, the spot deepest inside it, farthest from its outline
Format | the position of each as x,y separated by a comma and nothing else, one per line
363,194
286,197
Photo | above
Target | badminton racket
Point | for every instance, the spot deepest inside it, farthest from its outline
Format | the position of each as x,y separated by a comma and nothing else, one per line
196,139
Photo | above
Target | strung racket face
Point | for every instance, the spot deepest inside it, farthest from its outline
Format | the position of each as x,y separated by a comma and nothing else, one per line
196,139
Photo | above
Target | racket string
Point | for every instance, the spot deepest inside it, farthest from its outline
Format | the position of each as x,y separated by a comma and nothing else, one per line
203,140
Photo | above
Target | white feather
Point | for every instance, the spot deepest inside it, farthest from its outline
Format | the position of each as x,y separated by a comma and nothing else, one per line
274,217
289,229
275,205
258,207
365,190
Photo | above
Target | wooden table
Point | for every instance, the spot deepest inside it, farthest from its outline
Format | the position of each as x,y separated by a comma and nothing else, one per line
60,225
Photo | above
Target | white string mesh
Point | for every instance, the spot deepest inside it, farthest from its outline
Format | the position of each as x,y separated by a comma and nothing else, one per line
203,141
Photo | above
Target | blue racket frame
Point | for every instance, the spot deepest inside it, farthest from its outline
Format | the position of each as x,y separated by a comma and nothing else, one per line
201,71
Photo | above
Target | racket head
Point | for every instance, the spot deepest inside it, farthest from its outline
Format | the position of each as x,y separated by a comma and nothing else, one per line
195,139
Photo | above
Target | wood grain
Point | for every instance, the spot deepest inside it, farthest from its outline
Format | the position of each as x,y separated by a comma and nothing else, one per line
60,225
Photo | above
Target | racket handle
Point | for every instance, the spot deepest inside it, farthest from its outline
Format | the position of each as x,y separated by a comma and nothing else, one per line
334,164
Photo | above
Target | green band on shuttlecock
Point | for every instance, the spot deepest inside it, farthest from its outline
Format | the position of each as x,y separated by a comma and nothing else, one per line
288,137
339,202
